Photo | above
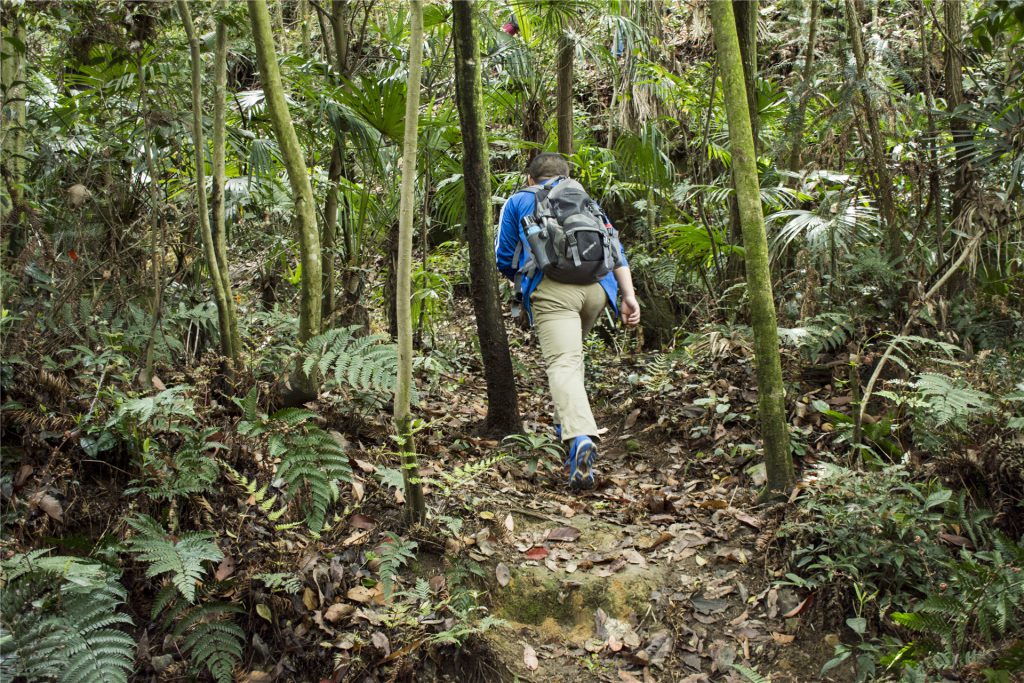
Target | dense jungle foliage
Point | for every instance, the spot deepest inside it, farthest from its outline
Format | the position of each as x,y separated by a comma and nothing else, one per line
215,465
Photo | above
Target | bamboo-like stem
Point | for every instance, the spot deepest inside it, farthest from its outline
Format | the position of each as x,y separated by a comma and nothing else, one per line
416,507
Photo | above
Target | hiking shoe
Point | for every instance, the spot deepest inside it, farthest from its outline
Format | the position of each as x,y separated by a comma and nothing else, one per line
581,463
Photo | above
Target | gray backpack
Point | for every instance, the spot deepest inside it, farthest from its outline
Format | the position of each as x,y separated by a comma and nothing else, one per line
568,235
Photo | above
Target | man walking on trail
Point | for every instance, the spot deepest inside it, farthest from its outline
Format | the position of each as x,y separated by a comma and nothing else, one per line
566,263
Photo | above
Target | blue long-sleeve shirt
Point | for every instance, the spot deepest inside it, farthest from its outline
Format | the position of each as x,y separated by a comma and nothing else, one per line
511,235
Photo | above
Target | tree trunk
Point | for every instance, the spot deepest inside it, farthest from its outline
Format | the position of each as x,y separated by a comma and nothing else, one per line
771,391
339,24
502,400
934,181
199,142
304,387
13,216
959,126
799,112
564,93
746,14
416,508
879,171
220,245
157,231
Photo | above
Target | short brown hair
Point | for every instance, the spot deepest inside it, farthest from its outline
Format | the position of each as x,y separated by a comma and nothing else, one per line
548,165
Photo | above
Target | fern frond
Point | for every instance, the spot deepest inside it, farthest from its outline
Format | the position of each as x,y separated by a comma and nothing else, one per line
211,638
393,553
367,363
59,621
183,558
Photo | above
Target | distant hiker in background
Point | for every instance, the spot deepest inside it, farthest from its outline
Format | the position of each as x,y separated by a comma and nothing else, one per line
566,264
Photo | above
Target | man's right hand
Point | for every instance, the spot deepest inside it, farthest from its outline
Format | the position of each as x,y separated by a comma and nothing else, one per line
629,310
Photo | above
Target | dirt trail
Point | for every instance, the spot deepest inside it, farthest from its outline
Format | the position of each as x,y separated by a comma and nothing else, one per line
652,576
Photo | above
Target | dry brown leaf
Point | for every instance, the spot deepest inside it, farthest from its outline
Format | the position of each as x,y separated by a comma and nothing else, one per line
538,552
530,658
367,467
225,569
381,642
362,594
338,611
631,419
806,602
309,599
782,638
357,537
24,472
564,533
358,490
502,573
48,504
510,524
364,522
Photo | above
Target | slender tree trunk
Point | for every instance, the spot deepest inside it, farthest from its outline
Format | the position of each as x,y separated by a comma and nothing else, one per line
220,244
199,142
13,216
746,14
502,400
304,31
799,113
566,52
934,181
157,230
331,230
771,390
304,387
339,24
879,171
416,507
959,126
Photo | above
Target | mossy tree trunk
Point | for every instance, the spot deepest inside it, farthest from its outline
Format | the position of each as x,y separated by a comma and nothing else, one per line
416,508
502,401
771,391
303,387
564,93
227,335
12,123
746,13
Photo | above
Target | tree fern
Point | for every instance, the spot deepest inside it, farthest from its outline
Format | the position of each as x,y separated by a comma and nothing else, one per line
58,618
183,557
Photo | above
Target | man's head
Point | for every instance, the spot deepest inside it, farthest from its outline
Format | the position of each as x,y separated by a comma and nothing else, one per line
547,165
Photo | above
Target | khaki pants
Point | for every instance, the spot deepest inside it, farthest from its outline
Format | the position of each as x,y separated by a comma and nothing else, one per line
562,315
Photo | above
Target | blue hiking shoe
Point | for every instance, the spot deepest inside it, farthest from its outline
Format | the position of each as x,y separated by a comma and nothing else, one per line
581,463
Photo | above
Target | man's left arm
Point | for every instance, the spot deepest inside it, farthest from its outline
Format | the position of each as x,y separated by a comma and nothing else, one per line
629,308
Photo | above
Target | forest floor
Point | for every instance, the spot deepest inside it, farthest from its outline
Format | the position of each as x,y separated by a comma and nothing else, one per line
664,572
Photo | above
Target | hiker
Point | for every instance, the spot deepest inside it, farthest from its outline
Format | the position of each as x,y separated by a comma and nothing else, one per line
566,264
